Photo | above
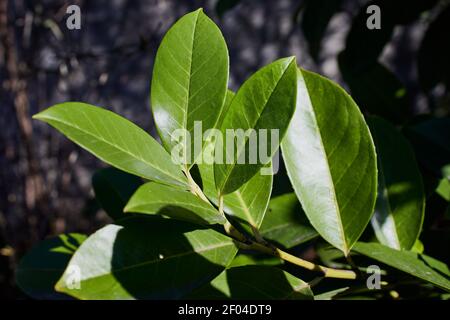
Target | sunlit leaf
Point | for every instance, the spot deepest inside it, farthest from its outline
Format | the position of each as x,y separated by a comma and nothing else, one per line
330,159
265,101
189,83
114,140
155,198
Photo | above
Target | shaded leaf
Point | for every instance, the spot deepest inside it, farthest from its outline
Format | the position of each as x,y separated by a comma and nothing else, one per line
330,159
433,62
154,198
331,256
113,188
377,90
114,140
269,91
251,259
285,222
399,210
329,295
431,143
316,16
443,188
43,265
417,265
189,83
247,282
374,40
146,258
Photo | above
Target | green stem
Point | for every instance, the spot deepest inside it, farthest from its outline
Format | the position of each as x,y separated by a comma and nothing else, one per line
327,272
262,246
267,248
195,189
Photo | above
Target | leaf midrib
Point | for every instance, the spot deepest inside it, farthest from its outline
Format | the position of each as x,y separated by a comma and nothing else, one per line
245,209
175,256
328,171
112,145
188,96
143,204
254,125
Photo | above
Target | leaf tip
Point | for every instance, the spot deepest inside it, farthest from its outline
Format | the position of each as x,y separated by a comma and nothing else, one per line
37,116
128,208
292,59
59,287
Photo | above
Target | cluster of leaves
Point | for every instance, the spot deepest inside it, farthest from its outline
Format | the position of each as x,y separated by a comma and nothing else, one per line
204,230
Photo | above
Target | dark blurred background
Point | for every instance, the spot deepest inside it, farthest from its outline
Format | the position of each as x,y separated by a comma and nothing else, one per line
399,72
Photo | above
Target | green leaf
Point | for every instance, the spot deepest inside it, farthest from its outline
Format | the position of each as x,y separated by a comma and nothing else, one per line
113,188
43,265
265,101
443,189
316,16
154,198
252,282
248,204
418,247
399,210
147,258
331,257
226,106
330,159
417,265
329,295
190,79
252,259
114,140
285,222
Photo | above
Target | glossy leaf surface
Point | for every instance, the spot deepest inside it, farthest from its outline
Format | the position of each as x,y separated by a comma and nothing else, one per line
265,101
249,203
400,205
155,198
190,79
115,140
330,159
146,258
